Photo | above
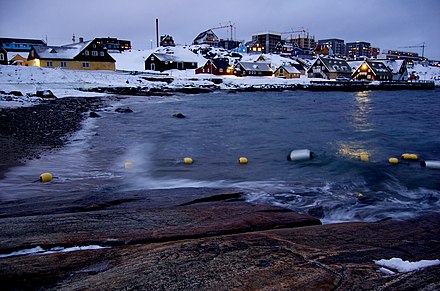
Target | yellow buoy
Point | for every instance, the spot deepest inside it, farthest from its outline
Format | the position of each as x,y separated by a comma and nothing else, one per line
393,160
128,164
243,160
413,157
187,160
46,177
359,194
364,157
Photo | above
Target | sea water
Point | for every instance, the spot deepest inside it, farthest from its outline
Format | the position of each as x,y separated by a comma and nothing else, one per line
264,127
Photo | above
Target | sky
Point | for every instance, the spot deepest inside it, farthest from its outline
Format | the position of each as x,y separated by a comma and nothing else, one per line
387,24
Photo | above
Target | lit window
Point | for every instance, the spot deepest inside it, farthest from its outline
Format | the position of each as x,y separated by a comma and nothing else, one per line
85,65
49,64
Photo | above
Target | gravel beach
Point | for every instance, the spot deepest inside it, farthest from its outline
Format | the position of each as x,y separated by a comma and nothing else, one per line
26,132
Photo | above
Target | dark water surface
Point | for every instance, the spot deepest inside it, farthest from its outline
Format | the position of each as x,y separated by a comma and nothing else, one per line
264,127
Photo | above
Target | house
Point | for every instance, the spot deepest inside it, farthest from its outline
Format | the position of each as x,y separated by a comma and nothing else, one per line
287,72
254,47
398,68
16,58
207,37
113,44
167,40
372,71
89,55
3,56
162,62
19,44
216,67
329,68
252,69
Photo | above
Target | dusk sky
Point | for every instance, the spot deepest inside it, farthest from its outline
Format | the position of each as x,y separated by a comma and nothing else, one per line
391,24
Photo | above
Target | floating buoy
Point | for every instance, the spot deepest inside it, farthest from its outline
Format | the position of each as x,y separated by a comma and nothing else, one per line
365,157
128,164
393,161
298,155
243,160
187,160
46,177
413,157
431,164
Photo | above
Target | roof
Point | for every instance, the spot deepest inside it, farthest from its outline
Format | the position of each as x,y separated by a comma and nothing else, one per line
220,63
61,52
379,68
255,66
172,58
203,34
290,69
336,65
394,65
22,40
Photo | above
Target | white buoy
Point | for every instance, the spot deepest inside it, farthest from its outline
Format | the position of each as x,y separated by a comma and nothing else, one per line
431,164
298,155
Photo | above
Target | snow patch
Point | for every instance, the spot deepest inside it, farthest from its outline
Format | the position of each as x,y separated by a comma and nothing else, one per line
40,251
404,266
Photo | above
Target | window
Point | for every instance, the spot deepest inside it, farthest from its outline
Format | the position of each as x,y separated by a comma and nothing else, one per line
85,65
101,54
63,64
2,57
281,71
49,64
94,53
86,53
152,58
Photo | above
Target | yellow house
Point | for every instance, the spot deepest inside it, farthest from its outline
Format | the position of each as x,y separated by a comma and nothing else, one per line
287,72
89,55
17,59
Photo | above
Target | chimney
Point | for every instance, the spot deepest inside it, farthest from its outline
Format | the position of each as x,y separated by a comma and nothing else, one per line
81,39
157,32
73,38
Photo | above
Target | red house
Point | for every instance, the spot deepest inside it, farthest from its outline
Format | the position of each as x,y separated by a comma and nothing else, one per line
216,67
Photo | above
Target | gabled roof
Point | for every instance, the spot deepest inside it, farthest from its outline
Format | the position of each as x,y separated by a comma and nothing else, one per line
171,58
290,69
60,52
255,66
394,65
201,37
220,63
335,65
378,68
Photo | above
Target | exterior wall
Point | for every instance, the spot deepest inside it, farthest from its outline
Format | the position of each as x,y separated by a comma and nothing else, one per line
154,64
285,74
318,71
268,41
3,57
21,61
73,65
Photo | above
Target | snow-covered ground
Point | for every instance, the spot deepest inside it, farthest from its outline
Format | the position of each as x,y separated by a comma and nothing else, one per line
404,266
65,83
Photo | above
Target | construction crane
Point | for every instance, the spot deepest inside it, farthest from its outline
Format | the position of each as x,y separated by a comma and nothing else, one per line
422,45
231,26
292,31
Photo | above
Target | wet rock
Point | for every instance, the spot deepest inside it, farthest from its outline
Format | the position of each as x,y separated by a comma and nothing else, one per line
317,212
124,110
93,114
179,115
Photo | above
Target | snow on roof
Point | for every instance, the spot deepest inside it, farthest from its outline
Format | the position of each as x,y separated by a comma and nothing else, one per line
256,66
291,69
354,64
180,54
336,65
132,60
61,52
394,65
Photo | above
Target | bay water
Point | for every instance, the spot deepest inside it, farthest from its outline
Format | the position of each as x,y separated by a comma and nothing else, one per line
144,149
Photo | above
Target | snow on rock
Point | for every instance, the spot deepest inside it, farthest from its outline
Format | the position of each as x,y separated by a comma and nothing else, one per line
405,266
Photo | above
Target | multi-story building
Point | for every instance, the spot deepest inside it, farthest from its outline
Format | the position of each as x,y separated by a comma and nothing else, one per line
375,51
114,44
306,43
268,40
19,44
358,49
337,46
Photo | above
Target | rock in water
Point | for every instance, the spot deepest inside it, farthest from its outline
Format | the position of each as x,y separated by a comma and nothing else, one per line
179,115
124,110
93,114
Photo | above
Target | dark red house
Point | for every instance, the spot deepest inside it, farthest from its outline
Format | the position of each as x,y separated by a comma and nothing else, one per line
216,67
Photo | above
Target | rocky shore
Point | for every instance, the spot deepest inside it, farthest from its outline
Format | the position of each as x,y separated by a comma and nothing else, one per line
185,239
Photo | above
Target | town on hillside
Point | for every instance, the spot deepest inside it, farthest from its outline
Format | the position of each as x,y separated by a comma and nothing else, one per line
289,55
